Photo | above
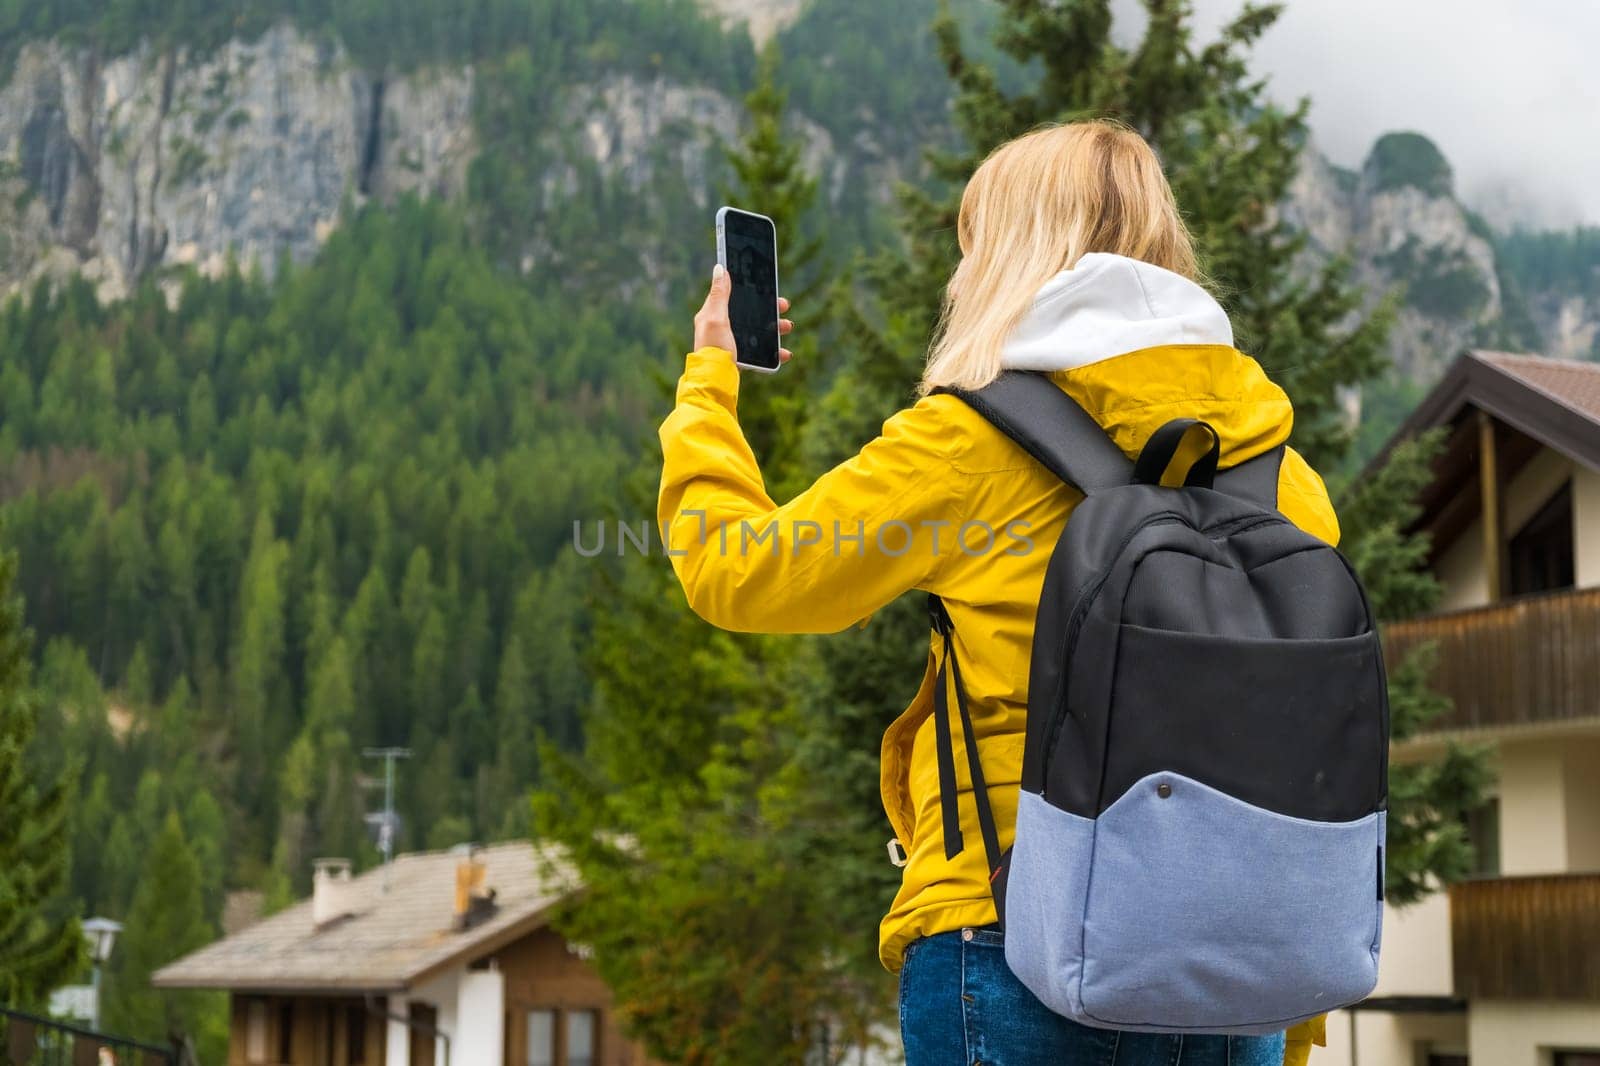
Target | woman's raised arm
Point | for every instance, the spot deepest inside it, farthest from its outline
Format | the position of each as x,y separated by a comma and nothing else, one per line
878,524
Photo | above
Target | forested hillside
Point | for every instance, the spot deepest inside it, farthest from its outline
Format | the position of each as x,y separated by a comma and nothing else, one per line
672,34
272,514
269,524
280,522
265,523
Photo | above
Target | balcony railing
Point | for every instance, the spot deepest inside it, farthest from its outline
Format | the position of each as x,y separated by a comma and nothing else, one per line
30,1040
1527,937
1532,659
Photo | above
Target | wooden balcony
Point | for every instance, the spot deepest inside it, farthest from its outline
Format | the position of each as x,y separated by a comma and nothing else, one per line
1527,937
1535,659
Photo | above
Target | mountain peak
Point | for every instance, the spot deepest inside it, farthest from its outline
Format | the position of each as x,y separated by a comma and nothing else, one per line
1406,159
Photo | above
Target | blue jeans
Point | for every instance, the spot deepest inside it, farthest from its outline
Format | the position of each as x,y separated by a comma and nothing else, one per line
960,1005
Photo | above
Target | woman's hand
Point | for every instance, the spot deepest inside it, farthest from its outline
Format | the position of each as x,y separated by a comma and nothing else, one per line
711,326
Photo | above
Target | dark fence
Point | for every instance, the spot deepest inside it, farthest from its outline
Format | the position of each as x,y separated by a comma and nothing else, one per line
1531,659
29,1040
1527,937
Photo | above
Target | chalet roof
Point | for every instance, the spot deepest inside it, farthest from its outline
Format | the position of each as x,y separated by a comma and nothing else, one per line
1533,402
1569,382
391,939
1554,401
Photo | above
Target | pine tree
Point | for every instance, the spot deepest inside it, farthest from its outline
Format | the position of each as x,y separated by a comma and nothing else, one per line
319,805
40,945
206,828
259,702
1230,153
330,712
166,920
548,619
694,816
501,785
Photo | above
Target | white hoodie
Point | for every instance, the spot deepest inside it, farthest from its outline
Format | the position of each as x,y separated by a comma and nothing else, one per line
1109,305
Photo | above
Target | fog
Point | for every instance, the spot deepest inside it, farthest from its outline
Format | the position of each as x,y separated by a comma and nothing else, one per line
1509,92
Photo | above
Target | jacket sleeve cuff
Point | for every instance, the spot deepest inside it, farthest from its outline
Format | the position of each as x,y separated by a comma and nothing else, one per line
710,373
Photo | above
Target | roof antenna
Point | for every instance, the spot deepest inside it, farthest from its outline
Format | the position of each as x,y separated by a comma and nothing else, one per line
387,821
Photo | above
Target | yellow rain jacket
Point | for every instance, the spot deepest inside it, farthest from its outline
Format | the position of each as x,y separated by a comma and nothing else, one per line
910,511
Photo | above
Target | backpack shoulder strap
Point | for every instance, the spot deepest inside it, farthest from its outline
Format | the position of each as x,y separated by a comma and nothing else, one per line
1255,480
1050,426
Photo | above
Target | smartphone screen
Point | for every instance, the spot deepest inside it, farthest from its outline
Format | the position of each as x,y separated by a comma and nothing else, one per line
748,244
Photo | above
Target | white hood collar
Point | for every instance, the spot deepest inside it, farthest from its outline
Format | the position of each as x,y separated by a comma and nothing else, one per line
1109,305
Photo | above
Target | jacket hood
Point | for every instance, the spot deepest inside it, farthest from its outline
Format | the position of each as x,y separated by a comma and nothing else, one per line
1108,305
1137,345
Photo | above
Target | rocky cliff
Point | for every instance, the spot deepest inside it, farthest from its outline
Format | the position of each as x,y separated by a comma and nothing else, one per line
1406,233
111,168
1399,222
114,166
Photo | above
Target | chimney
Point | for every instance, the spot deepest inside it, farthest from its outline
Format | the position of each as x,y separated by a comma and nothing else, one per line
472,902
332,890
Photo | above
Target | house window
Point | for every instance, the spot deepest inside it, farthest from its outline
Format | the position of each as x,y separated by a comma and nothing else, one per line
285,1032
563,1038
355,1036
255,1031
581,1038
541,1038
1577,1058
1541,553
424,1043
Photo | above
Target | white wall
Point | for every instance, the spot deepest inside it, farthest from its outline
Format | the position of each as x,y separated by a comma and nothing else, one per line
1416,959
1582,782
1549,806
1533,807
1586,525
1461,573
441,994
1524,1033
1533,486
1460,566
396,1037
1492,1033
1385,1039
479,1034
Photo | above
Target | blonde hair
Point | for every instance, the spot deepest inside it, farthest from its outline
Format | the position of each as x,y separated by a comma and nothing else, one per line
1036,206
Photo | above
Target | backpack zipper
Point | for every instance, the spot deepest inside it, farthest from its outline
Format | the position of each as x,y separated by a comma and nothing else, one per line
1080,609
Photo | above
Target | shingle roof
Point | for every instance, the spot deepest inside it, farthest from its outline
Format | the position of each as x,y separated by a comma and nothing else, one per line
1569,382
391,939
1554,401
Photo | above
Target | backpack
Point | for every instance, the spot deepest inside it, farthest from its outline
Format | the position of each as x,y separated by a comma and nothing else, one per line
1200,827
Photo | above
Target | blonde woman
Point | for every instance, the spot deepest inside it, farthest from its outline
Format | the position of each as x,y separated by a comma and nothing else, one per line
1076,264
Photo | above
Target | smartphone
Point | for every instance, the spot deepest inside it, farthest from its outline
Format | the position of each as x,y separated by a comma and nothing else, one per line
747,248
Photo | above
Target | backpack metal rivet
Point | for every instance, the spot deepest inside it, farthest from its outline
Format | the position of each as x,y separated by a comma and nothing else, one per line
966,934
1163,790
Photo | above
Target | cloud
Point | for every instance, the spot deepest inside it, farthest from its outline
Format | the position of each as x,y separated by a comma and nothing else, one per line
1509,93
